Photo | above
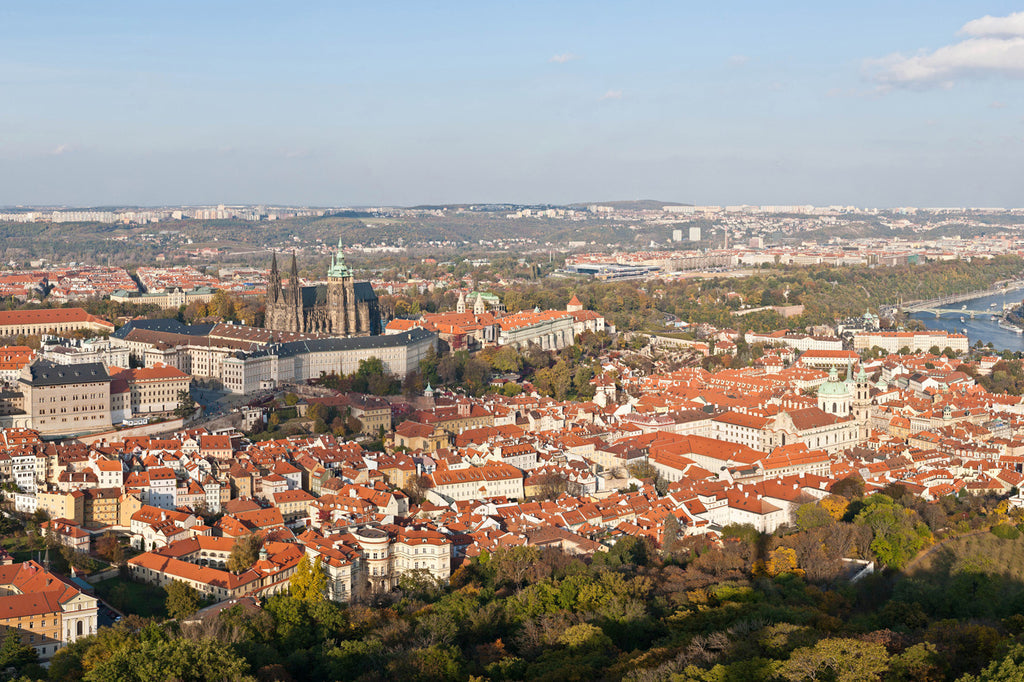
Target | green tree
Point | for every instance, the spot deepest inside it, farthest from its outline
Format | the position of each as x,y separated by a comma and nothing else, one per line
186,405
920,663
896,535
811,515
507,359
561,380
182,599
159,657
14,654
513,565
837,660
1010,668
370,367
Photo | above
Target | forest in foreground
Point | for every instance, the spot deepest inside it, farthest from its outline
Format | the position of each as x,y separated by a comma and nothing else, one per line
947,603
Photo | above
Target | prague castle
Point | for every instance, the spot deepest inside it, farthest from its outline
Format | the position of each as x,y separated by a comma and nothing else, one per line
342,307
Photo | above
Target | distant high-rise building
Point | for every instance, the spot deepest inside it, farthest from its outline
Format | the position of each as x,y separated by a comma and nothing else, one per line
694,234
677,235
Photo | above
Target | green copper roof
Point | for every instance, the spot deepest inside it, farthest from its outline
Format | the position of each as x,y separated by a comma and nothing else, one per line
833,386
338,266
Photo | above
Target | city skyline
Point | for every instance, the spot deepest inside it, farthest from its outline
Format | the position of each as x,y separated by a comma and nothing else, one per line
870,105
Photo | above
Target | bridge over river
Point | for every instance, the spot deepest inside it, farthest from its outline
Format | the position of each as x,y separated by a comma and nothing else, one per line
941,305
966,312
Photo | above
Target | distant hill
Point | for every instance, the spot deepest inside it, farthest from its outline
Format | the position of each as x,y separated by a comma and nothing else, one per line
634,205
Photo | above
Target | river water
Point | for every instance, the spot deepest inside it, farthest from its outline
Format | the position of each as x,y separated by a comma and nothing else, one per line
982,327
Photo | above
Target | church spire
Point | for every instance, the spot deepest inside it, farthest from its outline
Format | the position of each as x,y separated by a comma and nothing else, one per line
274,281
339,268
293,281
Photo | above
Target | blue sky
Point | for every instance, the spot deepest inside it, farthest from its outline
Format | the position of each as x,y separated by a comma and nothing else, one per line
870,103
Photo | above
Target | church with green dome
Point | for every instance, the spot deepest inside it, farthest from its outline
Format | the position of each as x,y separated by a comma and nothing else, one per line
835,396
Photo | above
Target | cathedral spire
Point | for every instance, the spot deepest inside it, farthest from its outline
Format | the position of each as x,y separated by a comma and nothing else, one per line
293,282
274,281
339,268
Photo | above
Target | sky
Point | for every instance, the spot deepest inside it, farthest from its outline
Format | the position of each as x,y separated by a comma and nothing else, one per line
875,104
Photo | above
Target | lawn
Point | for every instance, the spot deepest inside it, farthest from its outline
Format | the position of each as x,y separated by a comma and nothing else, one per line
130,597
25,548
976,576
982,553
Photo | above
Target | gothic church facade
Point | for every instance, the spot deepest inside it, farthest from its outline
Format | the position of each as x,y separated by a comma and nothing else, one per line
342,307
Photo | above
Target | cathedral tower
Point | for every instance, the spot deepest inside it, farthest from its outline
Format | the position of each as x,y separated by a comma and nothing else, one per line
342,307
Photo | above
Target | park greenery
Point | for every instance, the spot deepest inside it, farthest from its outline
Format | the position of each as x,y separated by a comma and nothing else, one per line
947,603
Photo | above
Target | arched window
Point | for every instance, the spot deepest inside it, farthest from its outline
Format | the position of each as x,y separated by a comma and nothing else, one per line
78,628
834,409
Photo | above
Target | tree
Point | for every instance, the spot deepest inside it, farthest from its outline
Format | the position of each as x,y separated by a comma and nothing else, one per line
920,663
186,405
811,515
837,659
897,538
476,375
308,583
851,487
507,359
221,306
781,560
561,380
447,369
182,599
157,656
244,553
552,485
109,548
670,535
835,505
1008,669
513,565
428,366
14,654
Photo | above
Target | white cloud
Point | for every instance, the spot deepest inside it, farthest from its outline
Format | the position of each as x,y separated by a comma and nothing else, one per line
61,149
1002,27
738,60
996,47
563,58
997,105
611,94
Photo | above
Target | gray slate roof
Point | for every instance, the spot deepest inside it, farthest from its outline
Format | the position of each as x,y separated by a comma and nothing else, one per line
46,373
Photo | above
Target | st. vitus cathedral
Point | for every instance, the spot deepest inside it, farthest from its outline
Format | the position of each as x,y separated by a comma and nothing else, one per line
342,307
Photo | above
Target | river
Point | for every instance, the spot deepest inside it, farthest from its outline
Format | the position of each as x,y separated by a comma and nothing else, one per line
981,328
